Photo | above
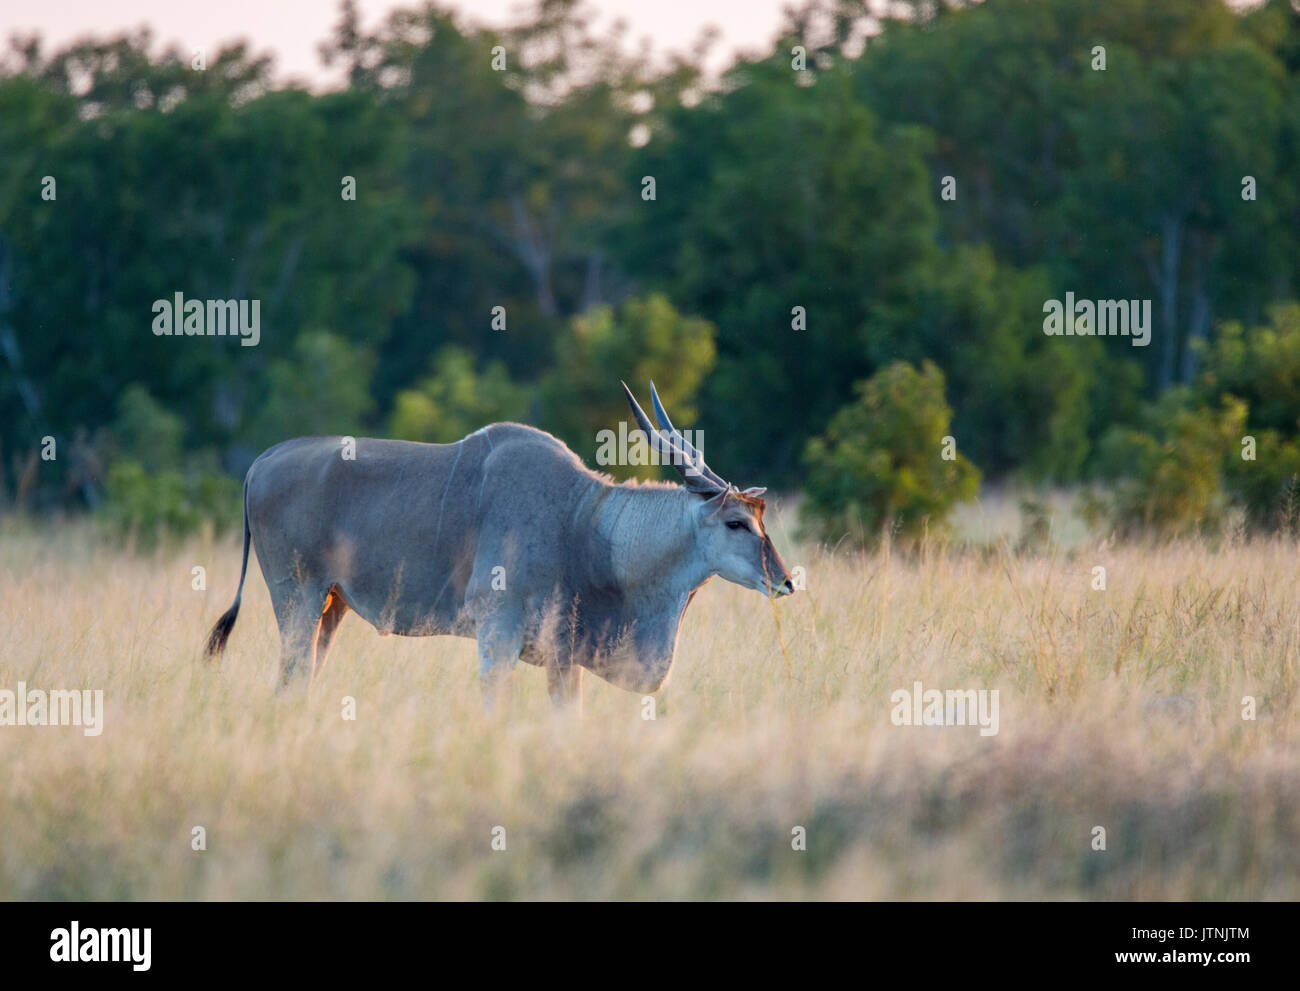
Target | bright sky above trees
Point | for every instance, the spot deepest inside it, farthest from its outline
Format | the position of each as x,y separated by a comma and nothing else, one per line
293,28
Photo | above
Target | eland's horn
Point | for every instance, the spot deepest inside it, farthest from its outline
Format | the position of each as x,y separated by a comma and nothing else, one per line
691,451
685,458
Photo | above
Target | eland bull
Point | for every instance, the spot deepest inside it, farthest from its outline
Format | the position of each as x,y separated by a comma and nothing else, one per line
504,536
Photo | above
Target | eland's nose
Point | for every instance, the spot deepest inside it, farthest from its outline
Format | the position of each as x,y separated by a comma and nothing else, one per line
787,587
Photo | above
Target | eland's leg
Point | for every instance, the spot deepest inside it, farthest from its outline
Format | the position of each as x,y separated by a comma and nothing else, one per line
498,653
298,615
564,683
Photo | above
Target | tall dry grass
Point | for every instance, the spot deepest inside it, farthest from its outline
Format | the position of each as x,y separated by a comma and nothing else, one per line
1119,708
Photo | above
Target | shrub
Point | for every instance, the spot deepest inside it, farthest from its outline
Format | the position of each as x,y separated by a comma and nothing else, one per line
170,502
152,488
1232,438
1261,368
1168,475
1265,486
880,464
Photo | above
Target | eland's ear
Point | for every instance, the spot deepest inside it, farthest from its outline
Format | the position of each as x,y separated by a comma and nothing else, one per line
755,491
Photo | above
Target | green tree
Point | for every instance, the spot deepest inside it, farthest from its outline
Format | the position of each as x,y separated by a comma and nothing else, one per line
211,184
1125,182
1022,399
640,341
147,431
456,400
513,174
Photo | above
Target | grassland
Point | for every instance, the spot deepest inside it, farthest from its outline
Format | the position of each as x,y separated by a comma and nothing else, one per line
1120,708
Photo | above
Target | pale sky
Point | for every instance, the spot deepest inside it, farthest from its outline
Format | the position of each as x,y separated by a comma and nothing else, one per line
291,29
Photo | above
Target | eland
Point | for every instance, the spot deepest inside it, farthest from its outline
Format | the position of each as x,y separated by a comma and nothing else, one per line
504,536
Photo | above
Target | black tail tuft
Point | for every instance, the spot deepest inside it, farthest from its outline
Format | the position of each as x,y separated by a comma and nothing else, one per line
221,632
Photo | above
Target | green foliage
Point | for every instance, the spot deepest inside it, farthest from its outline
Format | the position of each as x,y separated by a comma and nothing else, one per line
771,196
146,432
880,466
456,400
171,502
1124,182
322,388
512,178
211,184
1231,438
643,340
1023,399
154,488
1262,368
1169,474
1266,486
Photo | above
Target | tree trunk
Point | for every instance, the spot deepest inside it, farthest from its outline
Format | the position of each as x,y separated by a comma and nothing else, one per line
1165,278
1198,328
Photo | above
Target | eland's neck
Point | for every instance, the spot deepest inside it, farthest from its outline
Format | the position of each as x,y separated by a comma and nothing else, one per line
650,535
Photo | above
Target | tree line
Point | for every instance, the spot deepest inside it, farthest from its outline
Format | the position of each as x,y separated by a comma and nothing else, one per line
489,224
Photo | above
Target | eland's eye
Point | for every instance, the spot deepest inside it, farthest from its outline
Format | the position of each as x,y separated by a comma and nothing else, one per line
736,525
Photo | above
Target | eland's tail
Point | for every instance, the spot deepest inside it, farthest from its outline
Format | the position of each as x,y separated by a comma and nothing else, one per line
221,631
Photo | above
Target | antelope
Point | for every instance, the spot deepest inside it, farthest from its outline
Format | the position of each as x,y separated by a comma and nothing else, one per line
504,536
